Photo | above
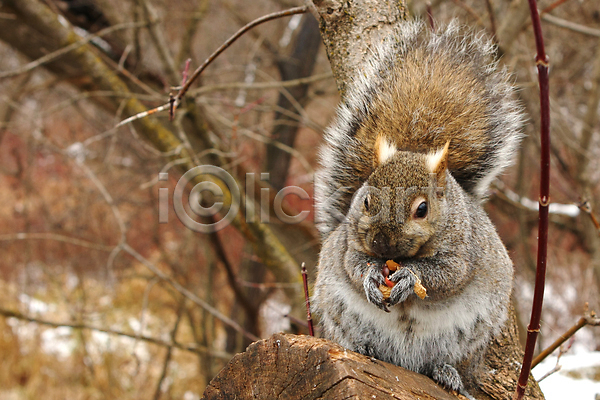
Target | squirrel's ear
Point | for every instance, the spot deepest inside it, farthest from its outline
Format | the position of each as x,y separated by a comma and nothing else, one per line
384,150
437,162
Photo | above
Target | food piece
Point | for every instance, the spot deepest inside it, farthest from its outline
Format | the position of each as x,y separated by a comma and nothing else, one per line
386,291
389,283
385,271
420,289
391,266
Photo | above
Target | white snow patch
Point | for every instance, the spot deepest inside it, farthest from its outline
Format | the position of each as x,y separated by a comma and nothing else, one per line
58,341
108,343
72,281
35,306
190,396
577,378
273,315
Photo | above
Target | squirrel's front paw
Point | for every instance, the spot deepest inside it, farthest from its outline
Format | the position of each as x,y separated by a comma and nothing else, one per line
371,284
446,375
404,281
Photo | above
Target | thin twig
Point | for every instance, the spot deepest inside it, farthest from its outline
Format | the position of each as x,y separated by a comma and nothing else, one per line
533,328
160,43
228,42
557,367
589,319
191,348
261,85
97,93
525,203
143,114
131,77
469,10
264,139
296,320
57,237
185,160
563,23
211,310
165,368
553,6
490,10
311,330
586,207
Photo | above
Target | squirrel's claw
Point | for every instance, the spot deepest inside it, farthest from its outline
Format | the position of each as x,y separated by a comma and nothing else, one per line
371,285
446,375
404,287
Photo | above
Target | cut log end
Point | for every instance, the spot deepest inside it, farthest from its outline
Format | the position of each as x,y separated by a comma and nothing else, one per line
302,367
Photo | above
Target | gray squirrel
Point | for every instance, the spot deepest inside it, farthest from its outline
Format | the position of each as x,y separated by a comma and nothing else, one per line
423,130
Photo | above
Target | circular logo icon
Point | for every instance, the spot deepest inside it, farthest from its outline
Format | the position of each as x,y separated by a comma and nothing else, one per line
208,174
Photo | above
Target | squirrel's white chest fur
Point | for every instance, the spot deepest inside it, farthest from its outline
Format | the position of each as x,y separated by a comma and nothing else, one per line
412,335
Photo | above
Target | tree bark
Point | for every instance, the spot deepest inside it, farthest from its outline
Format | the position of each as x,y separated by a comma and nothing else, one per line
349,28
302,367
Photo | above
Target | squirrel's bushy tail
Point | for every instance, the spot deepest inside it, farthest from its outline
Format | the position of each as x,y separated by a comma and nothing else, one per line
420,89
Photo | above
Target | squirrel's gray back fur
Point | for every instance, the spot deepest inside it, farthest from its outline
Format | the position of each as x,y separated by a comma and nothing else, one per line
345,158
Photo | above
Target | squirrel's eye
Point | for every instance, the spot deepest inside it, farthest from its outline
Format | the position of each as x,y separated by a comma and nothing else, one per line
367,202
421,210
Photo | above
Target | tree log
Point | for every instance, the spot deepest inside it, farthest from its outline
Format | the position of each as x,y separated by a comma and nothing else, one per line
302,367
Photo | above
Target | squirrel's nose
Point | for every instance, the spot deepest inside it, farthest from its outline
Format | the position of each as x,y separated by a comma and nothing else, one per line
381,244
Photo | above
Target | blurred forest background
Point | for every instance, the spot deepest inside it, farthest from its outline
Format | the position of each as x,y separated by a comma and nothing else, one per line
100,300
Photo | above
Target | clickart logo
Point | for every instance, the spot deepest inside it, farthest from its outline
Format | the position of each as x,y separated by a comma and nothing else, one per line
219,214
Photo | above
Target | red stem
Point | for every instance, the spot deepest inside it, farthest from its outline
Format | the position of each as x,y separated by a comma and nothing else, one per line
311,330
544,200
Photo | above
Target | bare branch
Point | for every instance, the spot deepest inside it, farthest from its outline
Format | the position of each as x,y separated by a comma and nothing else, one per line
266,139
58,53
261,85
586,207
165,368
191,348
563,23
213,311
589,319
57,237
160,43
228,42
185,51
470,11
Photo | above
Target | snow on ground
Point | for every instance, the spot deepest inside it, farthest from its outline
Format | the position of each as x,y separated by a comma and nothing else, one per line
578,378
